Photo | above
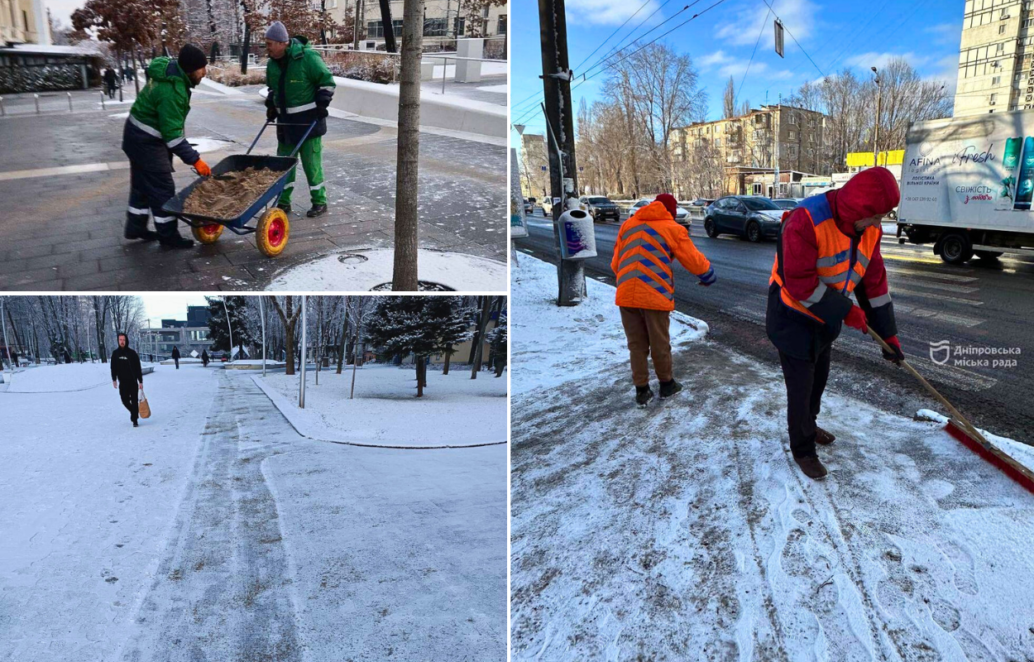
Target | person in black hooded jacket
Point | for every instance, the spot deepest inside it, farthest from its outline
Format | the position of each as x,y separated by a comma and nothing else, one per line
176,356
127,376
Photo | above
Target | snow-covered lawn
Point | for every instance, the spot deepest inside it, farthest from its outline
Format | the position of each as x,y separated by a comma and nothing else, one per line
454,411
215,532
87,500
684,531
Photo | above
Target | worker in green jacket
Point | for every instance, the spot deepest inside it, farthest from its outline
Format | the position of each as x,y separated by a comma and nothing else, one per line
300,90
153,132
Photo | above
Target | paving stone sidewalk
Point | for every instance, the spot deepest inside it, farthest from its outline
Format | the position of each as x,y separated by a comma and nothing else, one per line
64,231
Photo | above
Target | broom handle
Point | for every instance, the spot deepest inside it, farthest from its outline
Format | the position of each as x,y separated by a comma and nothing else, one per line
940,398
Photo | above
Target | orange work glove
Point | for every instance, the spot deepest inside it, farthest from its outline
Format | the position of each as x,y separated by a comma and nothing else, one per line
856,319
202,168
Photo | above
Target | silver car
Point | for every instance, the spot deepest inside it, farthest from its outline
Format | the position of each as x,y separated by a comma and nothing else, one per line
681,215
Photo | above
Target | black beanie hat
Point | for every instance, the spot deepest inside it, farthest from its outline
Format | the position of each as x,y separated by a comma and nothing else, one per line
191,58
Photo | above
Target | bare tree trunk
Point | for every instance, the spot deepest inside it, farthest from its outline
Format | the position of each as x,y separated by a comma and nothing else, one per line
448,357
136,79
482,326
389,29
419,377
408,159
344,337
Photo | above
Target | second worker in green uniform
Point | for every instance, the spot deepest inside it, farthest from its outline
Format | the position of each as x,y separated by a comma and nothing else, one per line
300,90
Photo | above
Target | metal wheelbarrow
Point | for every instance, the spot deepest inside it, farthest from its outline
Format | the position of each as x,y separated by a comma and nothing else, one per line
273,228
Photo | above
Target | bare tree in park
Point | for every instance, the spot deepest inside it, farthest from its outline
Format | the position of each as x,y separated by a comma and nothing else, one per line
729,100
288,312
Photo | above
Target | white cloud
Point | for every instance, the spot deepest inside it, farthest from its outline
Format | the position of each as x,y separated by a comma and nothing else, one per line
607,12
738,67
714,59
742,30
880,60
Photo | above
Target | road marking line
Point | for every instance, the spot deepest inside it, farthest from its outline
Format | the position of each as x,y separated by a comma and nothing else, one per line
902,258
940,297
927,274
948,287
945,374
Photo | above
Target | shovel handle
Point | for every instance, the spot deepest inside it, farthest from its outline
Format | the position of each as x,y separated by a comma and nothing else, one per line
940,398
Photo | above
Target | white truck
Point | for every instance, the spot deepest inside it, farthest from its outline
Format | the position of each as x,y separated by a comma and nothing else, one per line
967,185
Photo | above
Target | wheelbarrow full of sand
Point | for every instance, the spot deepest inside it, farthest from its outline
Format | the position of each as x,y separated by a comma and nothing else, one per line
273,227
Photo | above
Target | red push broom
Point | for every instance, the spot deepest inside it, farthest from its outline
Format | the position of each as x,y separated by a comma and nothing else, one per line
964,431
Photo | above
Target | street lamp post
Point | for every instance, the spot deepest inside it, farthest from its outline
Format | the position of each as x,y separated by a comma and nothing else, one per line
301,388
7,348
876,133
262,315
228,327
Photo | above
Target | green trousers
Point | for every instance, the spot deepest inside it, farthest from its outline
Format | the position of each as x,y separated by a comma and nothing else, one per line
311,155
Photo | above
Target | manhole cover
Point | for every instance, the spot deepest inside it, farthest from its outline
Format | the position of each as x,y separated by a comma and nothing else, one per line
425,286
352,258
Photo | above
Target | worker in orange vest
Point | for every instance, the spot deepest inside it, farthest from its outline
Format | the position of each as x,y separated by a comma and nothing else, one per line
828,248
646,245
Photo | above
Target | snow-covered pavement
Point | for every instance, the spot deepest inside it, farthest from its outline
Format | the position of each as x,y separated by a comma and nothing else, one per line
684,531
215,531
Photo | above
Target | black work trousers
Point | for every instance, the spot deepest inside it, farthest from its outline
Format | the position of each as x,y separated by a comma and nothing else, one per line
805,382
148,191
130,394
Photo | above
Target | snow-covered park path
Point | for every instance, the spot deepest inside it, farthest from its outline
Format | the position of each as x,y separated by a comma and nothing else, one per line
684,531
214,531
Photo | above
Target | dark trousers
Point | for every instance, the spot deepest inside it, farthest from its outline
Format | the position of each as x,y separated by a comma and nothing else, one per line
805,382
130,398
177,363
148,191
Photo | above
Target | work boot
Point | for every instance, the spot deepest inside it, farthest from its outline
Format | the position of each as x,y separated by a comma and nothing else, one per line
811,466
317,210
169,236
822,437
137,231
286,206
669,389
643,395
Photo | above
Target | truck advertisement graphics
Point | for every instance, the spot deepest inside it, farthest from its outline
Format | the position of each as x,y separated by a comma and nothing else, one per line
970,173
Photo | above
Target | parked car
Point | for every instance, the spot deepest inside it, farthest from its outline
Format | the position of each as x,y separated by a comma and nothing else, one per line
787,203
701,202
681,215
750,217
601,208
529,207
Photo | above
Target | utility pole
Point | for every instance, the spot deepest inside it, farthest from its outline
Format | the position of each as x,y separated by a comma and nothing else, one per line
301,388
228,328
262,316
775,133
355,25
563,172
7,348
876,133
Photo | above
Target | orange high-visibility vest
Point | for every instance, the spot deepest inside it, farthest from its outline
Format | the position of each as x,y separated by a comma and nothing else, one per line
842,260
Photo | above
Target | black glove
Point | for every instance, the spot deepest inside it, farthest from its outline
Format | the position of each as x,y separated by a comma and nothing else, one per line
270,99
322,112
271,114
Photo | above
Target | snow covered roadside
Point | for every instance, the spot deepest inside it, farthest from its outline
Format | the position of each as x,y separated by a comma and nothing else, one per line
685,531
455,410
553,345
87,502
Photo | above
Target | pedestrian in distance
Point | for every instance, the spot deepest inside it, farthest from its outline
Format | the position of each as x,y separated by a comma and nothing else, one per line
828,248
204,358
153,132
176,356
127,376
300,89
13,355
110,82
647,243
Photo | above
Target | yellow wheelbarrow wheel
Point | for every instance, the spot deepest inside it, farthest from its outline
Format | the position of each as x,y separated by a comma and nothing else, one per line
207,234
272,232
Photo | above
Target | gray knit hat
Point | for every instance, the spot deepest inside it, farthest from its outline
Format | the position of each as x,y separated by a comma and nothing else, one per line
277,32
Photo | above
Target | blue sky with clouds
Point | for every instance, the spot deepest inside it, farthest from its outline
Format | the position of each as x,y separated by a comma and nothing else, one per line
835,33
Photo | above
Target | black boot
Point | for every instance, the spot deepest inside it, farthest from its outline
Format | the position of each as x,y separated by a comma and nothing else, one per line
669,389
643,395
138,230
286,206
317,210
169,236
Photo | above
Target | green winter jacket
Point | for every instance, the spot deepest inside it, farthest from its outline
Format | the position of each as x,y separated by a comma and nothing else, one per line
299,83
155,127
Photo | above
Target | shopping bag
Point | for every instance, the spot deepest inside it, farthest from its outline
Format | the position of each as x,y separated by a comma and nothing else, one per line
145,409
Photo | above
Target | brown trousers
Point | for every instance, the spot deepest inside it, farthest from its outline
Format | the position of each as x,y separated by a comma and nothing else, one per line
647,333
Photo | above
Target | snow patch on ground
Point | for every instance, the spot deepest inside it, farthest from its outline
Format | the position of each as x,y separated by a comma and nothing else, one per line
454,411
119,116
206,144
88,500
579,338
463,273
1018,451
498,89
219,87
684,530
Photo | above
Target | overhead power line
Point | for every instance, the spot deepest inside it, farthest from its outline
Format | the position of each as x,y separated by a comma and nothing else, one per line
736,96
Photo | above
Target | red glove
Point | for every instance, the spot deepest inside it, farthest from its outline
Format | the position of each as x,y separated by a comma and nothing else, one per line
898,356
202,168
856,319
